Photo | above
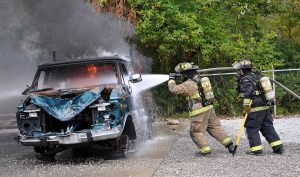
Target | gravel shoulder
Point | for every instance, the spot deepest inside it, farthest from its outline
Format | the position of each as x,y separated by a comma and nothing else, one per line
181,160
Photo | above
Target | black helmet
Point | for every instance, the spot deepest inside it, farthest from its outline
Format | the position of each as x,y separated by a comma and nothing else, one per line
242,64
186,66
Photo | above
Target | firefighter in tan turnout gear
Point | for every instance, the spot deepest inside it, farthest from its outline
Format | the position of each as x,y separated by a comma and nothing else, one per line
257,96
200,98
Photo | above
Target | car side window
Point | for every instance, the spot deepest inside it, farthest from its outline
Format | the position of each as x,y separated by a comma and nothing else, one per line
41,81
124,73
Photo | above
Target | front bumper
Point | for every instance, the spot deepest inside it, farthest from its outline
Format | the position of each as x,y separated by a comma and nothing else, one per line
72,138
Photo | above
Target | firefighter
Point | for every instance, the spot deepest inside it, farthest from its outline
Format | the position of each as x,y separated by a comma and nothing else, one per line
201,111
256,101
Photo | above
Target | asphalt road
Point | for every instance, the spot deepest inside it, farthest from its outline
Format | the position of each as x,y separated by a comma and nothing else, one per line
169,153
17,160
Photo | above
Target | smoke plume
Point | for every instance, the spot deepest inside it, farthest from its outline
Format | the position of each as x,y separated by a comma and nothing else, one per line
31,30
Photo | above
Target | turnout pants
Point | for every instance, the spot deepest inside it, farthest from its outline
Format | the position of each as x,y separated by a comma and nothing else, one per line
207,121
261,121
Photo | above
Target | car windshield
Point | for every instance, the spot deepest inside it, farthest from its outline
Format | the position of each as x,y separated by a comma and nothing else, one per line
76,76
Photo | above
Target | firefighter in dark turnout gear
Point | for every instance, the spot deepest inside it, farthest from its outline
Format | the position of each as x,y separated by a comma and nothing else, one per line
202,113
259,113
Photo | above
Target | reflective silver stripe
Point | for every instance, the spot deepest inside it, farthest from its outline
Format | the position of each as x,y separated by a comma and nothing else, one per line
201,110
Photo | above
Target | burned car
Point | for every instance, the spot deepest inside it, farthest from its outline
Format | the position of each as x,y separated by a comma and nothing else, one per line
78,103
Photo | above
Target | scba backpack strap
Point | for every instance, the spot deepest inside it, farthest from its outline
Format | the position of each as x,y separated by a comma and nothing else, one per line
258,89
201,92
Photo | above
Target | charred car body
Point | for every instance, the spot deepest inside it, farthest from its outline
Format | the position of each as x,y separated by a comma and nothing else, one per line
78,103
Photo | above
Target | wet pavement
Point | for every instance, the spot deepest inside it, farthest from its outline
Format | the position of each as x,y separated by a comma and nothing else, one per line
8,121
143,160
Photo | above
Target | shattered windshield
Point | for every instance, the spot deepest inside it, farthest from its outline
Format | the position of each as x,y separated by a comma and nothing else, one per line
76,76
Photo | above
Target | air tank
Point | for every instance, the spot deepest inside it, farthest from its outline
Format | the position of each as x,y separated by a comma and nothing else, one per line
267,88
207,89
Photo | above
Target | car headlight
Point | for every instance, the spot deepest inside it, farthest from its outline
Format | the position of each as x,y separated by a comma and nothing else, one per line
101,107
33,114
29,114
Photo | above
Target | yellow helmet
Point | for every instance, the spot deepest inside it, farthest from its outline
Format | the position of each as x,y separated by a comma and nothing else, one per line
242,64
185,66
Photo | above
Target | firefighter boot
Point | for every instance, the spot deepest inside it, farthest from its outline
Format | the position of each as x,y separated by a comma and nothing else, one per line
278,149
204,151
256,153
200,154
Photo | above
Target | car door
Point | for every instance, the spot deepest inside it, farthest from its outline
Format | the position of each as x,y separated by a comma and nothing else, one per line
126,85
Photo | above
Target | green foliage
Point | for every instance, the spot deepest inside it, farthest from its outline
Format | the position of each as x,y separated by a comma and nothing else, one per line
169,31
174,103
226,95
286,102
215,33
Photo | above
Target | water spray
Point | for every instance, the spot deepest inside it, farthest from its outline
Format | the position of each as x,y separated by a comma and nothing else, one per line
143,111
149,81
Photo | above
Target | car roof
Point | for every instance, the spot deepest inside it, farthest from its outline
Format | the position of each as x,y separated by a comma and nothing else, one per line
83,61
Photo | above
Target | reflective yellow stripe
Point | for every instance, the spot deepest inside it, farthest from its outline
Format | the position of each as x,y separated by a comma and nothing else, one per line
202,110
256,93
256,148
276,143
206,149
196,86
226,141
261,108
196,96
241,95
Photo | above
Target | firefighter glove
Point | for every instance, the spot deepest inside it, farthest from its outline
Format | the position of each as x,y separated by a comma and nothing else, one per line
271,103
247,109
231,148
247,105
171,82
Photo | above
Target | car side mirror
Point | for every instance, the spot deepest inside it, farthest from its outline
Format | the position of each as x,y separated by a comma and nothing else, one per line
135,78
27,90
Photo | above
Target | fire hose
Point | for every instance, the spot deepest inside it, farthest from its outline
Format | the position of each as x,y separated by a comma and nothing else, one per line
200,71
285,88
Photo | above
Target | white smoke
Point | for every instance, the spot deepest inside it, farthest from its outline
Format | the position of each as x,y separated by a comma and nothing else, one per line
29,46
105,53
31,30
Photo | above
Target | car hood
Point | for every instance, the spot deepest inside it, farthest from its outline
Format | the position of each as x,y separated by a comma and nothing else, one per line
66,109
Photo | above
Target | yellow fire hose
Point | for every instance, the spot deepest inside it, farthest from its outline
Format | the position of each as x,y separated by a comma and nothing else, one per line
240,131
